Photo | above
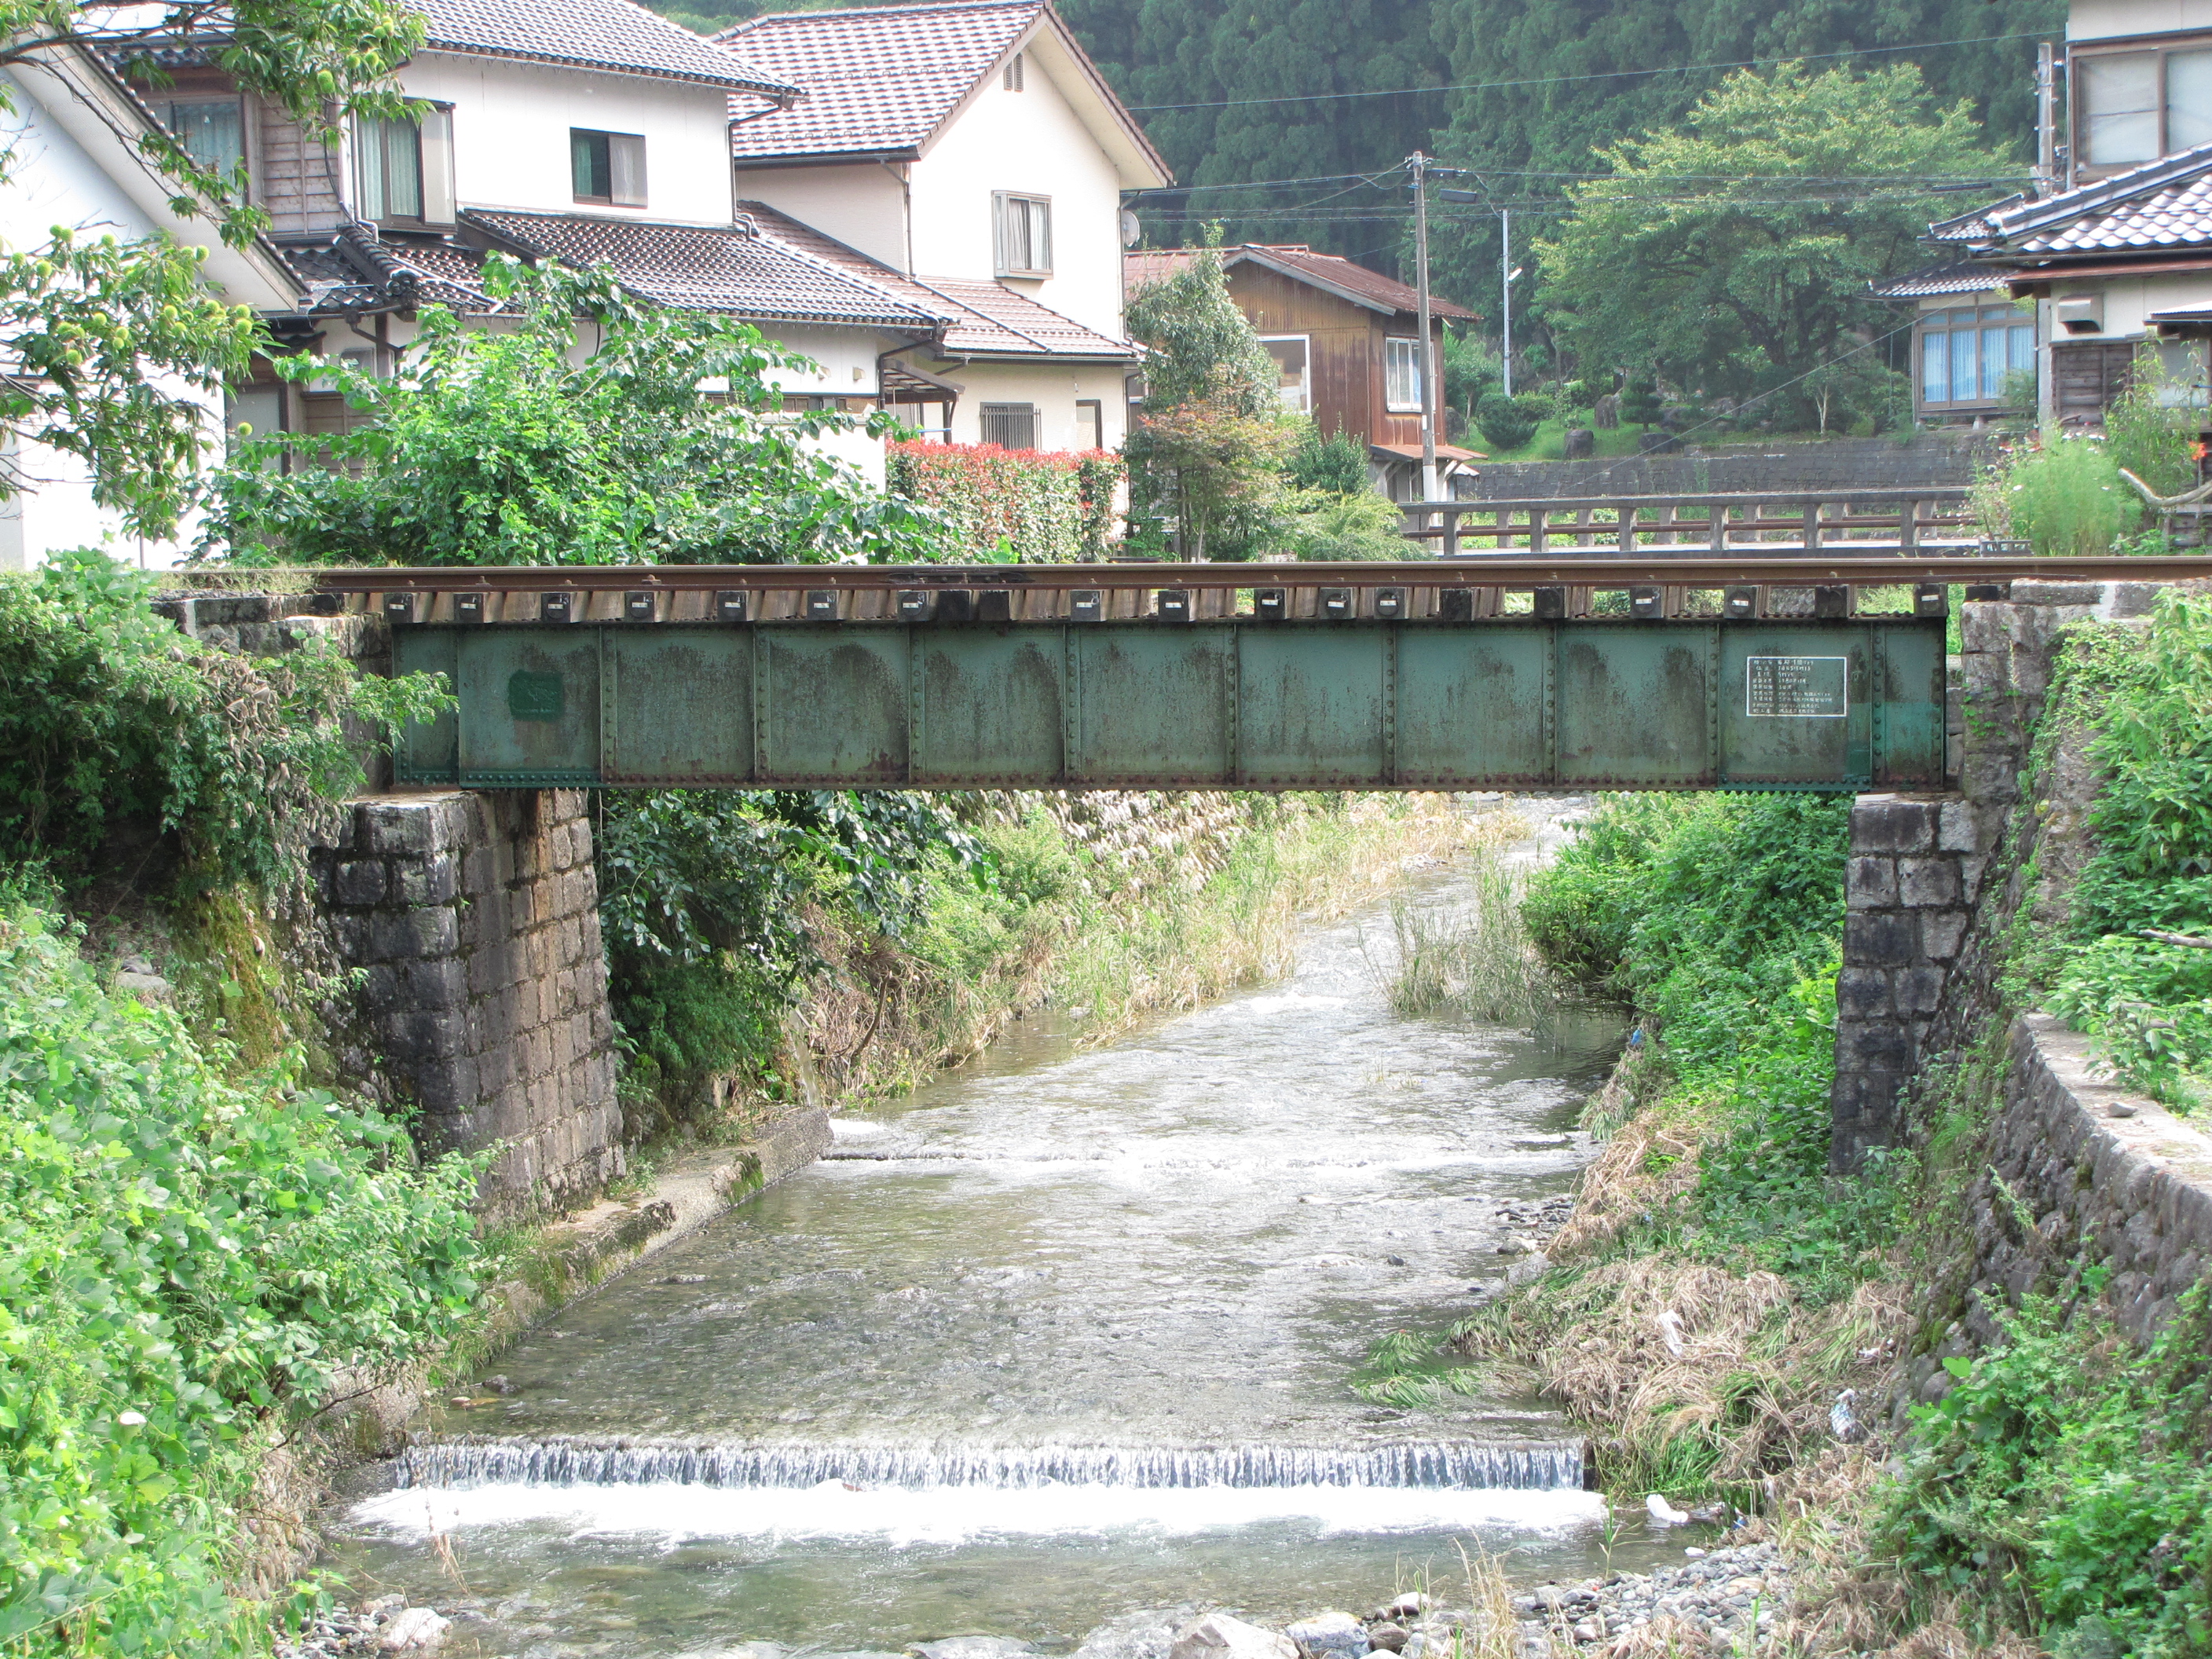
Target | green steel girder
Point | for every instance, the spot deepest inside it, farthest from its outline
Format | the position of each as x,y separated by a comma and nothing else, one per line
1509,703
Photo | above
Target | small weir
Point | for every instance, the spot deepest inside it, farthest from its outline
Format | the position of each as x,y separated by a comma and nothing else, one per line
1069,1334
582,1462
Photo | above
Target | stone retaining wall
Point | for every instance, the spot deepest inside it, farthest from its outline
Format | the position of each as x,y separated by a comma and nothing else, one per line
473,920
2068,1183
1940,460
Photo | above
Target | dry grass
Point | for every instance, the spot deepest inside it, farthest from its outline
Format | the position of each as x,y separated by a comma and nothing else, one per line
1650,1161
1749,1392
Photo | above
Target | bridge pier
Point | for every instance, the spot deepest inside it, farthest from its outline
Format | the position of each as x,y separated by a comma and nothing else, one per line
1933,881
472,920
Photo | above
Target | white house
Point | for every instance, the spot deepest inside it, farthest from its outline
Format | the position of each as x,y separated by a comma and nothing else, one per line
969,158
72,163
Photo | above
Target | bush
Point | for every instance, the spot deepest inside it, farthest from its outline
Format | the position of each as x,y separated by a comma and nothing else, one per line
1336,464
2063,494
2151,428
1038,507
187,1263
1639,402
111,717
1358,525
2067,1476
1506,422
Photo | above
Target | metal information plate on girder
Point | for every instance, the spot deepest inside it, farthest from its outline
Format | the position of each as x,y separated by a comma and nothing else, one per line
1505,703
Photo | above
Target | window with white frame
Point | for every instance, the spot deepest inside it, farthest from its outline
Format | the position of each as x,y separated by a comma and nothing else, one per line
1401,375
1025,233
1966,352
2137,105
1293,356
1011,426
404,169
607,168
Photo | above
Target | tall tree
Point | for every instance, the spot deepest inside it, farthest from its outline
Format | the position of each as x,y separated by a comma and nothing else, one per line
105,341
1546,86
1724,251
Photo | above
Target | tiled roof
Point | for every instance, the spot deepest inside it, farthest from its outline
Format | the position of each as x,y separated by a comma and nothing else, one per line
1294,259
732,268
877,78
1973,225
1931,281
2163,206
985,319
616,35
349,270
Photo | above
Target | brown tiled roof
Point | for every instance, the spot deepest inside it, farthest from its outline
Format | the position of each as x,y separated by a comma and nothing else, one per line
877,78
2163,206
733,269
350,270
613,35
1326,270
985,319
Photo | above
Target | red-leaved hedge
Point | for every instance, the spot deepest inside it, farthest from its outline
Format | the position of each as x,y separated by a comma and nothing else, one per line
1046,507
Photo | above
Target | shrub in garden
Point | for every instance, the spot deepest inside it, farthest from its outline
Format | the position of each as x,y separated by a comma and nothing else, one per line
1039,507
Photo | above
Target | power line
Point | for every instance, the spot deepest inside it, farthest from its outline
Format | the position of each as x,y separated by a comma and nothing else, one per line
1606,74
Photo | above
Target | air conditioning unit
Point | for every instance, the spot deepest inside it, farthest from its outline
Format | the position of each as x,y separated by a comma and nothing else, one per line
2080,313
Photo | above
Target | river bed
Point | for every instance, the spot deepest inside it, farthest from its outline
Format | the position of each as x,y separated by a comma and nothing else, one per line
1068,1333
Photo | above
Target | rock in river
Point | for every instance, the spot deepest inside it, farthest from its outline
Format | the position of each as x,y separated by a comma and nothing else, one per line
1329,1635
1218,1636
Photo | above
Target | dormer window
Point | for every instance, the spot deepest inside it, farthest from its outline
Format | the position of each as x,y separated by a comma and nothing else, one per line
1011,76
212,130
1025,233
609,167
404,169
2135,106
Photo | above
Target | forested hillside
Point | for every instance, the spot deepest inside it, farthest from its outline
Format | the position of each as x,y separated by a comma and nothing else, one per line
1524,90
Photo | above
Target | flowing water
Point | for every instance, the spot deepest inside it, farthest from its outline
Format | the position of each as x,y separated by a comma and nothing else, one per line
1068,1333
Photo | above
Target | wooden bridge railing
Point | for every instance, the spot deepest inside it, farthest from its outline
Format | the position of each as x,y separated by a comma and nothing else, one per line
1764,525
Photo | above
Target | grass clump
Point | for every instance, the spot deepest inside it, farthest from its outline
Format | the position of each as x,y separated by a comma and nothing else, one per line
1475,959
189,1263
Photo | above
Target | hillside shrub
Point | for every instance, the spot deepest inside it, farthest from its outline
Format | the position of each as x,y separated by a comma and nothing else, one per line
1337,463
110,716
187,1263
1034,505
1358,525
1507,423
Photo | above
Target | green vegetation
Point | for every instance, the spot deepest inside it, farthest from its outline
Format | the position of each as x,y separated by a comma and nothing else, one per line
1716,252
2147,999
2064,494
2069,1476
492,447
117,728
1036,507
189,1261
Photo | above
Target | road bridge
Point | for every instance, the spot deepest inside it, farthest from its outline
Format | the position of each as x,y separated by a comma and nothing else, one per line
1797,672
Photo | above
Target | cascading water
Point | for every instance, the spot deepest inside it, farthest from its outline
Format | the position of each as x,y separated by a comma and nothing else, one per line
1067,1334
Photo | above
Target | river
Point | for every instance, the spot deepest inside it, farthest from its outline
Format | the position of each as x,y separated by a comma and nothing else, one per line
1068,1334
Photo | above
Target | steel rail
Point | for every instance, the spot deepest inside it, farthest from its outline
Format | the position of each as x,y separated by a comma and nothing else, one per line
1475,570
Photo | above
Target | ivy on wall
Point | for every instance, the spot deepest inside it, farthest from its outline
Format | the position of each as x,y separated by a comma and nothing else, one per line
1033,506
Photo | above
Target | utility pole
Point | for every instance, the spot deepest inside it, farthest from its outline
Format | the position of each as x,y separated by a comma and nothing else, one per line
2047,120
1506,292
1417,165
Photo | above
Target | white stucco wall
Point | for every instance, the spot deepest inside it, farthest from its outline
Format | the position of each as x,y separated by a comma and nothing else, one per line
2130,300
511,124
1031,143
52,181
1053,388
2103,20
860,203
